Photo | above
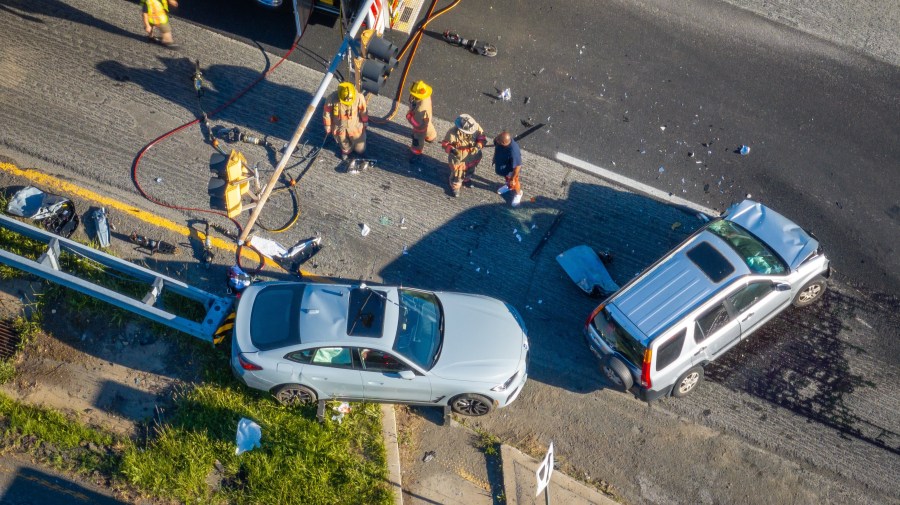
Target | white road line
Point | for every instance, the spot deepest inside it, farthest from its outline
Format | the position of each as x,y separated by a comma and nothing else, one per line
633,185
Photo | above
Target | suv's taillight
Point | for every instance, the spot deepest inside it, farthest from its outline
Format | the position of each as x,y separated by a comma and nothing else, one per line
645,369
248,365
596,311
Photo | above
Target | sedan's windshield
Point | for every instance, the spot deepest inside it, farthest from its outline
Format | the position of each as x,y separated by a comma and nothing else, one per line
420,329
755,254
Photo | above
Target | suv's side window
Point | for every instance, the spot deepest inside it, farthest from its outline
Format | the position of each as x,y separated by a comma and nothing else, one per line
747,297
374,360
710,322
669,351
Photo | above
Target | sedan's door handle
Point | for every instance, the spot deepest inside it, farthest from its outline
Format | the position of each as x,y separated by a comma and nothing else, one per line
373,383
319,378
748,316
700,351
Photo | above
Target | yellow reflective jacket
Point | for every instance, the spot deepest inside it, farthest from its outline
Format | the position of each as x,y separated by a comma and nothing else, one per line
157,11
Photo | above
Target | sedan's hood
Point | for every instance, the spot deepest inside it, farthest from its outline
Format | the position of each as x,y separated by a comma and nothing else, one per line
483,342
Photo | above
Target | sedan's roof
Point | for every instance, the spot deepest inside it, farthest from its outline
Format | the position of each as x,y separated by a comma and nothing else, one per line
325,315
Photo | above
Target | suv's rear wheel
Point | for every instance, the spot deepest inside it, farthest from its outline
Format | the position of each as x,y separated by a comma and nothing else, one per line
616,373
687,382
294,395
471,404
813,290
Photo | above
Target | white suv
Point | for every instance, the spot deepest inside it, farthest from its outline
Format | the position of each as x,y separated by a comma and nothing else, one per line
720,285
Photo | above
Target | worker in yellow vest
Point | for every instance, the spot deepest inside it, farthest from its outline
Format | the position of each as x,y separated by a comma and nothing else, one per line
419,116
345,116
156,15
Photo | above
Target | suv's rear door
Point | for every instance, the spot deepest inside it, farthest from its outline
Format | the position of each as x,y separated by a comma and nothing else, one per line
715,331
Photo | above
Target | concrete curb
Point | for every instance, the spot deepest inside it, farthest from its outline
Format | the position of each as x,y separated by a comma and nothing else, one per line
392,450
520,483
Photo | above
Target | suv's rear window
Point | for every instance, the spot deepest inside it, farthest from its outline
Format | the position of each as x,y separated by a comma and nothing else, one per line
274,319
618,338
710,261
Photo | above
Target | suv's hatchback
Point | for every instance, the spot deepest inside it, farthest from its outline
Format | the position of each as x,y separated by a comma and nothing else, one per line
716,288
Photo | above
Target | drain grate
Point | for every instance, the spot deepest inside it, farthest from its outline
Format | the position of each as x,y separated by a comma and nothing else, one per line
9,339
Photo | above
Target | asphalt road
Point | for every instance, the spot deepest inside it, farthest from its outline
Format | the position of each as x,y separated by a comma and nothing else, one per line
806,411
638,87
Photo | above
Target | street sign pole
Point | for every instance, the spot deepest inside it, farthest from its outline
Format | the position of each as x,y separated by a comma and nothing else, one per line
543,474
310,110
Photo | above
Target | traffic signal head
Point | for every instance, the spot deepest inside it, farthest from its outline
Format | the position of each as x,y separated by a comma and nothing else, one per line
381,58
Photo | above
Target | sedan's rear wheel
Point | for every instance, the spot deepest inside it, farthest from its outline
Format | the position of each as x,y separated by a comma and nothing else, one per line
294,395
471,404
813,290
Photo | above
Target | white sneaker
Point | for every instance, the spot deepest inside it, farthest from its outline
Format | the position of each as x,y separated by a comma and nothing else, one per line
516,200
502,189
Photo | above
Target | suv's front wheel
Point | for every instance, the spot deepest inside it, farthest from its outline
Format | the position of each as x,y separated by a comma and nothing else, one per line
687,382
813,290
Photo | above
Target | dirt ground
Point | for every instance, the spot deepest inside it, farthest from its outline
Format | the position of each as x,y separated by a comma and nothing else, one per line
431,450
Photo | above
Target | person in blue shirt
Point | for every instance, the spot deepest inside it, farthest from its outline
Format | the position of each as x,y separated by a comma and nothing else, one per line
508,163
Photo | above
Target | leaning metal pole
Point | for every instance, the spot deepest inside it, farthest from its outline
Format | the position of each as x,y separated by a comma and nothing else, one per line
310,110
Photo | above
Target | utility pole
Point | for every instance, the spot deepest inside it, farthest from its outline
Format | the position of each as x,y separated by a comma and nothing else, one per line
310,110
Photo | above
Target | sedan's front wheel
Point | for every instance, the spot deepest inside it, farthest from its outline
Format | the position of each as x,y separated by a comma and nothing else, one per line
294,395
471,404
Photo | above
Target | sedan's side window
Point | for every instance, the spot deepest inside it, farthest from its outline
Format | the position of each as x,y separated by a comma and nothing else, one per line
333,356
710,322
374,360
747,297
304,356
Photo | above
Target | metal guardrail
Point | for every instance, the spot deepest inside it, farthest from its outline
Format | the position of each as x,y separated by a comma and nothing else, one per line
47,266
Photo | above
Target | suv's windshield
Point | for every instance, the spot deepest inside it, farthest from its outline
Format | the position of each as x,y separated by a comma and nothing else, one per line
420,329
755,254
616,337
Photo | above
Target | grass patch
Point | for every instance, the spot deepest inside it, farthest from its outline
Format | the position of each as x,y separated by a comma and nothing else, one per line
188,453
54,438
300,460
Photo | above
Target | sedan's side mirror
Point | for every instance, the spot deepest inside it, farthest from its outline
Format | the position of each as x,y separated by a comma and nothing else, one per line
407,374
782,286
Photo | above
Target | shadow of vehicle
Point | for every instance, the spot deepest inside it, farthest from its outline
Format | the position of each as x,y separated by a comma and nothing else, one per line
487,249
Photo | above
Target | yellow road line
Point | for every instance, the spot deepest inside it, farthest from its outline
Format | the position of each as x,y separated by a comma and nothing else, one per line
59,185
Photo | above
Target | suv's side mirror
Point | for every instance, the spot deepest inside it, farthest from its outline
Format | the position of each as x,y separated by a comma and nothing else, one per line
782,286
407,374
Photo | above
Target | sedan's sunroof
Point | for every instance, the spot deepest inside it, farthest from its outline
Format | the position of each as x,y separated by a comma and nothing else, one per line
365,315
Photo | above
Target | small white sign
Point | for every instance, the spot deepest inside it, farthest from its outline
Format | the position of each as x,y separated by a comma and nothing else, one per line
545,471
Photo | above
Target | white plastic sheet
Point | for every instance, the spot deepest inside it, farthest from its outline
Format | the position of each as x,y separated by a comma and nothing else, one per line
248,436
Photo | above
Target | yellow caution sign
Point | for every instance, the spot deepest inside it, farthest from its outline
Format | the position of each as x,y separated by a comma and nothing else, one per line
225,329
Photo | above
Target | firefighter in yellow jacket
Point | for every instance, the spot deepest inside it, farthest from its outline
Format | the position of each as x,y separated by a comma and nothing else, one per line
463,144
345,117
419,116
156,15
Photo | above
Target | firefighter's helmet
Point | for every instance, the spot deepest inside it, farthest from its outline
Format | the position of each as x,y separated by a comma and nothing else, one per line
466,124
420,90
346,93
